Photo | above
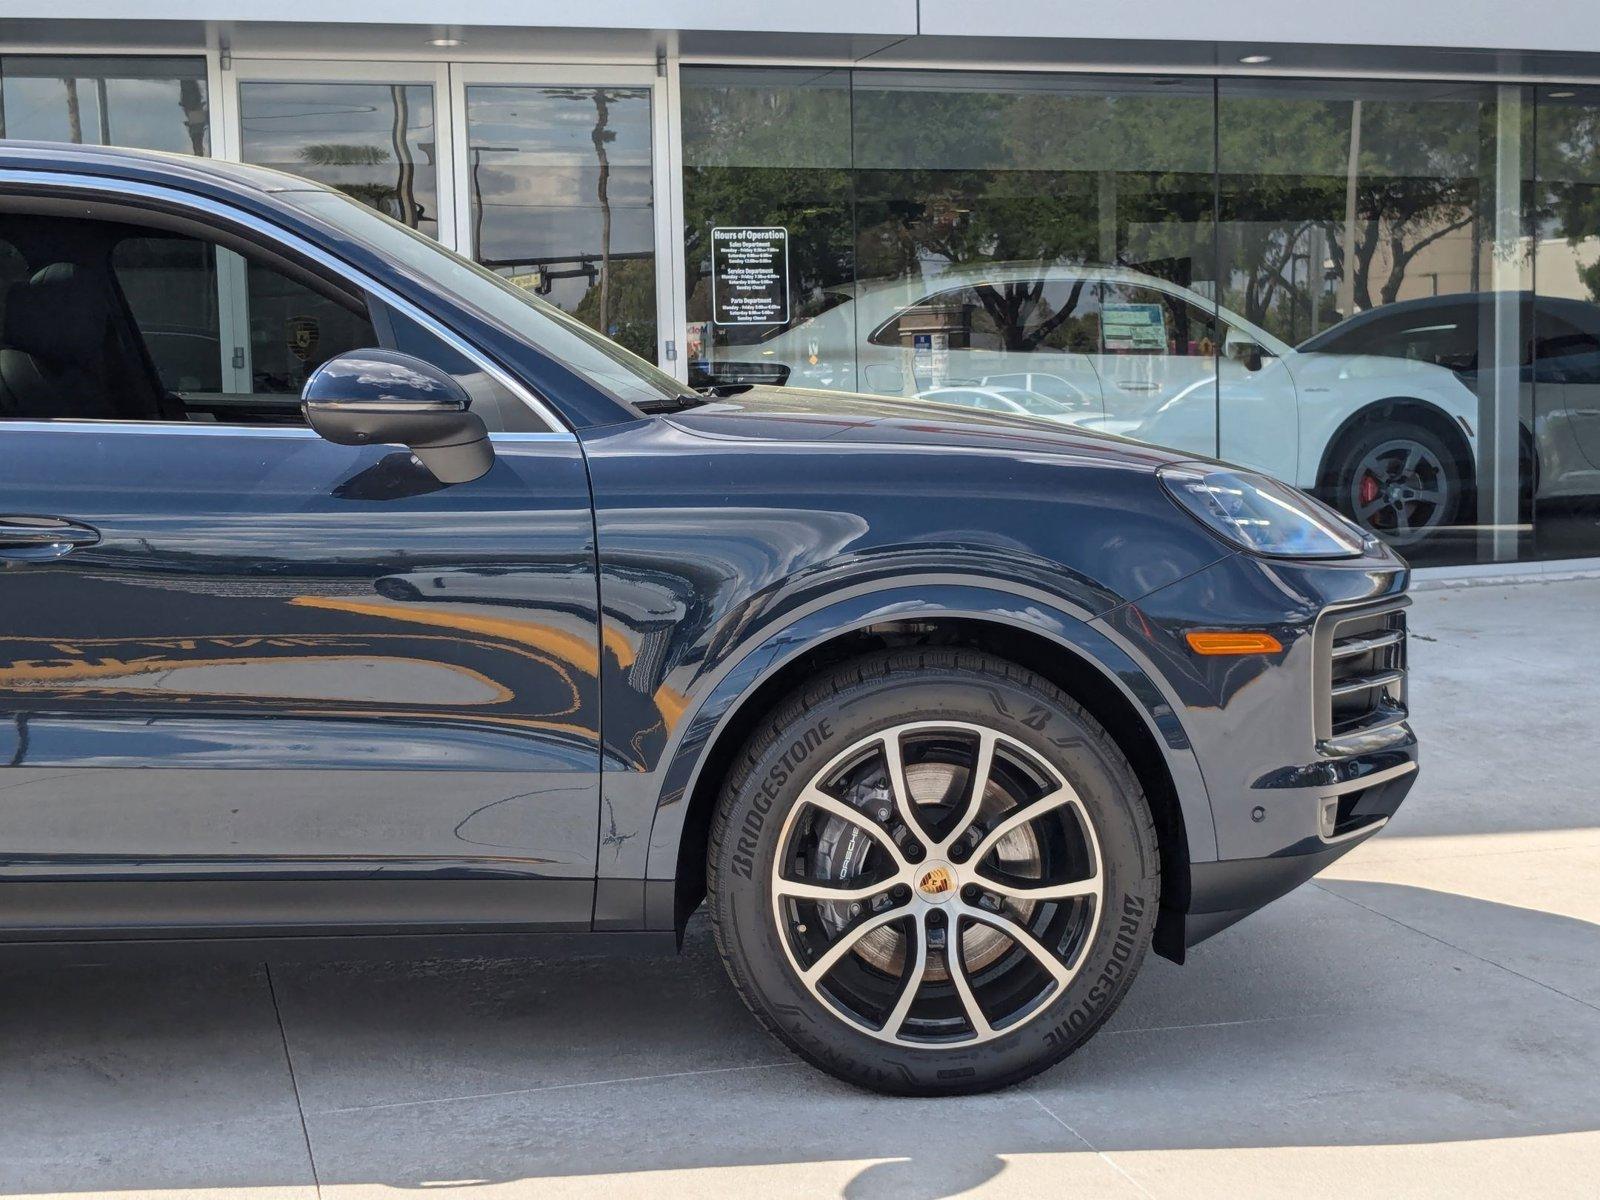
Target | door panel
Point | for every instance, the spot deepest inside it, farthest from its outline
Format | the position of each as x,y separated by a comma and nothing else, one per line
1259,416
285,658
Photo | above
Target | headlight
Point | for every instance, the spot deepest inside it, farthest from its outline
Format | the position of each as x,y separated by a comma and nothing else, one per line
1261,514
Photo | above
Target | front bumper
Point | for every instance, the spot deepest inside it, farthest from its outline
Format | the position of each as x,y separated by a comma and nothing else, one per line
1229,890
1305,753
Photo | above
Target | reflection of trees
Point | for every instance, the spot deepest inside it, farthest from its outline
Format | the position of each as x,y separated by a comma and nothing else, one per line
380,196
1033,176
74,112
911,179
631,294
1567,158
598,313
191,101
945,178
769,156
1289,196
196,115
397,199
405,185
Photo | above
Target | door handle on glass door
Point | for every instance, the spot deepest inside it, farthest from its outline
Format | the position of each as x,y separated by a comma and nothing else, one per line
36,539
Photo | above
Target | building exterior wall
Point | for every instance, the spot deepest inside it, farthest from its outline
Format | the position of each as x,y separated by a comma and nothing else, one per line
914,167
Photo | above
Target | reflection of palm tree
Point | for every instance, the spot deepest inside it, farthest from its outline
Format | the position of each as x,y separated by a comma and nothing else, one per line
342,154
405,180
195,118
74,113
381,196
600,136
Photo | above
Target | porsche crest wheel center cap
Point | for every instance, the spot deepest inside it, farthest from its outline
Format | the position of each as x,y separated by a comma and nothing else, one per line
937,883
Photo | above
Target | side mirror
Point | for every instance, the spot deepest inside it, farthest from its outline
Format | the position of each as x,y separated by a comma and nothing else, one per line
368,397
1246,353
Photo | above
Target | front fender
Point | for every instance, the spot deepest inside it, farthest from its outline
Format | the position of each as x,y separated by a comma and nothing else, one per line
743,669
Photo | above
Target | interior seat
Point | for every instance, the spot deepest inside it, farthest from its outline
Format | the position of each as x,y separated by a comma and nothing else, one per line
66,353
53,347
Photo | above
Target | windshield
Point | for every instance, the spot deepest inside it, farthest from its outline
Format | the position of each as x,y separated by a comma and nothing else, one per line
570,342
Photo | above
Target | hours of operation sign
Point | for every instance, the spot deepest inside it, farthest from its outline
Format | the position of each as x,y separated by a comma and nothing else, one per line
750,275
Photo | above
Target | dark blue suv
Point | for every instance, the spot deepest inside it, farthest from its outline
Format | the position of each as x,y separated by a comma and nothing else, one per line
348,591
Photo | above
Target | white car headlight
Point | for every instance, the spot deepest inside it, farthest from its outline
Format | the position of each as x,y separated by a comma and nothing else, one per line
1260,514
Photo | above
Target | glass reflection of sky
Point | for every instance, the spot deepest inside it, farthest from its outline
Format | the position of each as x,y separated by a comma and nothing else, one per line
144,113
542,198
344,135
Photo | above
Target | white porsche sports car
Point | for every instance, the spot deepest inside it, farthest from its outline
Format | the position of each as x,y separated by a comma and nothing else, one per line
1390,441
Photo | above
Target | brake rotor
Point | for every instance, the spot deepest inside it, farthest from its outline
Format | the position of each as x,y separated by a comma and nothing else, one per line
843,849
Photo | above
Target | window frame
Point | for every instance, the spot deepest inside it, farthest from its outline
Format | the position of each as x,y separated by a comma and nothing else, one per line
49,193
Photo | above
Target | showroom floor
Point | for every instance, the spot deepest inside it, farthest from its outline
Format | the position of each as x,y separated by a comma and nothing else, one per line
1423,1020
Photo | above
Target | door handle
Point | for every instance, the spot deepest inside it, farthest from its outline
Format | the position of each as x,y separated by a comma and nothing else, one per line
38,539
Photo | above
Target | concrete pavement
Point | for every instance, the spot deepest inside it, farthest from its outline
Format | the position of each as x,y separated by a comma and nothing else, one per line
1423,1020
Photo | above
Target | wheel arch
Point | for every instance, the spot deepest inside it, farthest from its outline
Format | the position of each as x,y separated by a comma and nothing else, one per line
1068,651
1423,412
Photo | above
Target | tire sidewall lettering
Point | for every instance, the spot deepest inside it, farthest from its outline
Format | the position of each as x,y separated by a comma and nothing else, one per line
1124,945
747,847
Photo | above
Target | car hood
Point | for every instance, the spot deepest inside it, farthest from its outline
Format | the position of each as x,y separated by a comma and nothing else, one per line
804,414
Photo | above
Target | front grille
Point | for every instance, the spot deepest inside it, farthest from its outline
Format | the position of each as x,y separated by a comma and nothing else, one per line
1363,670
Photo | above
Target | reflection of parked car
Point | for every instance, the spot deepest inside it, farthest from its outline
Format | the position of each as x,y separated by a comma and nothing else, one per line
1559,369
1014,400
1391,441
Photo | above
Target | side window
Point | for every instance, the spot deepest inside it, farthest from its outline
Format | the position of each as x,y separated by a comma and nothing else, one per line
231,339
1073,323
1014,315
1143,320
958,314
970,400
1447,339
500,409
13,269
108,321
1563,353
170,285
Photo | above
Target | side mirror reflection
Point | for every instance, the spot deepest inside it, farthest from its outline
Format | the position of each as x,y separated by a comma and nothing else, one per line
367,397
1246,353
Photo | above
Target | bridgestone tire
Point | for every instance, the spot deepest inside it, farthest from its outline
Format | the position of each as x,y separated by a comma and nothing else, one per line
854,701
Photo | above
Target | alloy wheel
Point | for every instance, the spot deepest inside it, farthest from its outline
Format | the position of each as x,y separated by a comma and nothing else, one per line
1400,490
937,883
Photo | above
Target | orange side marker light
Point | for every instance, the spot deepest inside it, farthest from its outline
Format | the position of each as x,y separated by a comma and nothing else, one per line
1233,643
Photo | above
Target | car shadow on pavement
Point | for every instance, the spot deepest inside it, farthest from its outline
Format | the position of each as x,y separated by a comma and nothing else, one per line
1348,1015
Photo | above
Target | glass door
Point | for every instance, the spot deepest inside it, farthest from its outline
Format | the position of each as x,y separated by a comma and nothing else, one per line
558,179
375,131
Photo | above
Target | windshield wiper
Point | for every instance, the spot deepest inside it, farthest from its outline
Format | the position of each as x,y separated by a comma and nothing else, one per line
671,404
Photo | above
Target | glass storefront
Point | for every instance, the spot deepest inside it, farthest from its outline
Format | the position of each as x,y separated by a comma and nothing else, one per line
376,142
561,197
1386,292
1358,225
153,103
1561,355
1330,281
